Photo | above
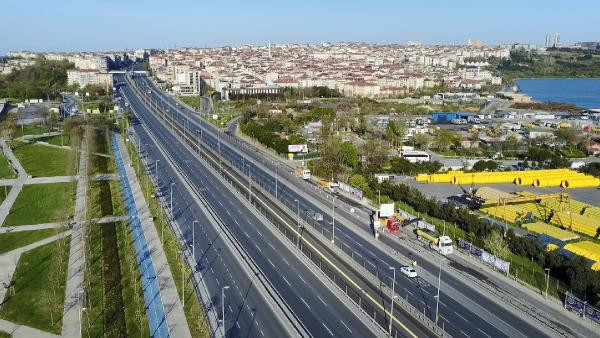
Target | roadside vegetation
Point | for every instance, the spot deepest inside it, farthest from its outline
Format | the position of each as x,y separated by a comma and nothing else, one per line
44,79
113,280
6,171
194,311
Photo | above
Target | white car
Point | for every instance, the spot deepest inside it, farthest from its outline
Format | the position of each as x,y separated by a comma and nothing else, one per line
408,271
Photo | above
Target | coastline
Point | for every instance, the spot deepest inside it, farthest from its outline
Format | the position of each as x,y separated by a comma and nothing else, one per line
573,100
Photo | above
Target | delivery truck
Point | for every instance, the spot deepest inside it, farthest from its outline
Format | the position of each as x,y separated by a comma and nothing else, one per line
441,244
331,187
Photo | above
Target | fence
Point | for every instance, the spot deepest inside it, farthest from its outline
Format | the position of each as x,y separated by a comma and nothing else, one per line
582,307
484,256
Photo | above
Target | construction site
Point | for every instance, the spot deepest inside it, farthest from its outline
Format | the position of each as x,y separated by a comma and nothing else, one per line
554,217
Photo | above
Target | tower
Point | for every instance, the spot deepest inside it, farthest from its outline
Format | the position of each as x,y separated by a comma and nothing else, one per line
556,39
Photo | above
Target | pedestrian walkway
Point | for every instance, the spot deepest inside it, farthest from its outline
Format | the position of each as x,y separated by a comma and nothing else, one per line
75,270
165,312
32,227
21,331
109,219
18,184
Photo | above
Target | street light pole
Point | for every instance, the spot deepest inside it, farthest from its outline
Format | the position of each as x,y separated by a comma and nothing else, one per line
194,242
392,299
276,179
437,298
298,219
172,215
156,168
547,280
333,220
223,307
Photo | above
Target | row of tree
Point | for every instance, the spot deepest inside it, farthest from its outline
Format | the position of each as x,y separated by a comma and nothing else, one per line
43,80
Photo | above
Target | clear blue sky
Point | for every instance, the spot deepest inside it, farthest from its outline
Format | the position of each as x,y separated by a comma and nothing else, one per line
74,25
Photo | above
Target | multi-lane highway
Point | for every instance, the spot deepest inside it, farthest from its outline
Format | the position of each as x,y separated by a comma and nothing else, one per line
312,300
464,310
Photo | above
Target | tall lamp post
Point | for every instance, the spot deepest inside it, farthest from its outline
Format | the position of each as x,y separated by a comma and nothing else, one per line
298,220
333,220
276,179
437,298
194,242
547,280
223,307
392,299
171,207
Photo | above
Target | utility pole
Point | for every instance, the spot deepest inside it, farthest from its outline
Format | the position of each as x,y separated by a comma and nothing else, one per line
223,307
276,179
172,215
547,280
333,220
392,299
298,219
194,242
437,298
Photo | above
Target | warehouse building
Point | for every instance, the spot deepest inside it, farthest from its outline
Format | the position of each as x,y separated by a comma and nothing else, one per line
446,117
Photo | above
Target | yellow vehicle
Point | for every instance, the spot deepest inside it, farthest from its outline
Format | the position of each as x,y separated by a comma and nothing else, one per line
329,186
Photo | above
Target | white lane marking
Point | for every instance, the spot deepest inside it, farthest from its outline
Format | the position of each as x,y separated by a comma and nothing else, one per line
463,332
259,233
245,233
346,326
463,318
484,333
273,265
322,301
286,281
305,303
286,262
271,245
326,328
302,279
238,325
217,280
258,248
230,309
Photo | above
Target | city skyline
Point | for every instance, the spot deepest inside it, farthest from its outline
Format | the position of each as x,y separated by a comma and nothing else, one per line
68,26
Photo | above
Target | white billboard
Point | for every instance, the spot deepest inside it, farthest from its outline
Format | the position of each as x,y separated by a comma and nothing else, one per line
386,210
297,148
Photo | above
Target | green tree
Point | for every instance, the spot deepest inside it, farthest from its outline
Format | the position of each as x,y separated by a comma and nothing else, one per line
421,141
375,152
444,138
496,245
567,135
350,154
331,156
395,132
359,182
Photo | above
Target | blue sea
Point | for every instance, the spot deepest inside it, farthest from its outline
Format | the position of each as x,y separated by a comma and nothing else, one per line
584,93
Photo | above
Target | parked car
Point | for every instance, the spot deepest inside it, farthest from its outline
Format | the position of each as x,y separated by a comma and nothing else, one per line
409,271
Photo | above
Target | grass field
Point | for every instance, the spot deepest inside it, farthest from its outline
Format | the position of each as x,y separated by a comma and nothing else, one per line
39,285
192,308
57,140
14,240
6,170
42,203
39,160
32,129
4,190
4,334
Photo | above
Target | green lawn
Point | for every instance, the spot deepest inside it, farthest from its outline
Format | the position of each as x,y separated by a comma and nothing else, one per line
32,129
6,170
13,240
4,190
57,140
42,203
4,334
39,160
39,286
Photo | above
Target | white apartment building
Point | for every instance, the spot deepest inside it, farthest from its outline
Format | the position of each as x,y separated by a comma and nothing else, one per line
86,77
